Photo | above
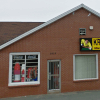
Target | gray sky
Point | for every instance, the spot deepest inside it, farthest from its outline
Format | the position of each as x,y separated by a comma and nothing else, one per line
39,10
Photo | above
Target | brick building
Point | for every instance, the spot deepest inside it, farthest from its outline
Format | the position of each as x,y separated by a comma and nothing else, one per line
60,55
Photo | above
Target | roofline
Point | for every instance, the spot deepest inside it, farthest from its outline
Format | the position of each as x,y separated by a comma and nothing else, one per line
47,23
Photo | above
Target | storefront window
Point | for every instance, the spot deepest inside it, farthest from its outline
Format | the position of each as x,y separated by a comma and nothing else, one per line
24,69
85,66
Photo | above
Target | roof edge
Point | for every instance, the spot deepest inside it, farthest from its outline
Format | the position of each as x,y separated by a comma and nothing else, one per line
91,10
47,23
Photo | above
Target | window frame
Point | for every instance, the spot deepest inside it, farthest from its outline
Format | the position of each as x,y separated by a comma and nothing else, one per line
10,69
74,67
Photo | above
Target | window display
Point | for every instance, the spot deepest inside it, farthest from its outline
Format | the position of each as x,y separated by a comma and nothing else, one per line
24,68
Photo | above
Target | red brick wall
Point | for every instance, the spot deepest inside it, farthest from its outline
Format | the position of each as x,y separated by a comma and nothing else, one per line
61,37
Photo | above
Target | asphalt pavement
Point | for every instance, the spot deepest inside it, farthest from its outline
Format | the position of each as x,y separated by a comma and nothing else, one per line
83,95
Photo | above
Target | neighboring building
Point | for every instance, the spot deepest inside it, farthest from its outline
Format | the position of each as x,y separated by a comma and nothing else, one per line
60,55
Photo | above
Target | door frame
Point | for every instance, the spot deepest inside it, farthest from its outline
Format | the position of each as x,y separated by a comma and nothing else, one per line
54,90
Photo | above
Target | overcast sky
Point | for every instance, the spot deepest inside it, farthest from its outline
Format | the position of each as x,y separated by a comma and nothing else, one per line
39,10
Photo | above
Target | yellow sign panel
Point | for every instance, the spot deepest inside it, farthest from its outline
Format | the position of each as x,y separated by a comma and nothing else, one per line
95,43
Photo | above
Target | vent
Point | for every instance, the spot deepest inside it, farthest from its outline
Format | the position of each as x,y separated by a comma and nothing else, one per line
82,31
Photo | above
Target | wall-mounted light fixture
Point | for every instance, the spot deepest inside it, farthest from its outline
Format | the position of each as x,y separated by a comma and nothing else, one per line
91,27
89,14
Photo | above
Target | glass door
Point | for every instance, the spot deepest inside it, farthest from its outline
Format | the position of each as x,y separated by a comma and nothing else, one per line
54,75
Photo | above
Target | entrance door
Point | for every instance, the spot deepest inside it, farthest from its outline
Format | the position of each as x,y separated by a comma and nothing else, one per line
54,72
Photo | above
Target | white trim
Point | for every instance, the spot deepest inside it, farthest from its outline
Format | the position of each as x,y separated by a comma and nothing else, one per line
47,23
54,90
24,53
55,60
97,66
73,67
10,69
23,83
85,78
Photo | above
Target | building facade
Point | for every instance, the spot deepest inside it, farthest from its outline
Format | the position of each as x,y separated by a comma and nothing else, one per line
49,58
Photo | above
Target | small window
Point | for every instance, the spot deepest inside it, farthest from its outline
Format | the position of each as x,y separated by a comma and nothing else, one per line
85,66
24,69
82,31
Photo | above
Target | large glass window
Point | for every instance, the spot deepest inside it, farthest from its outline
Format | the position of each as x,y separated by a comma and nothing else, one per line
85,66
24,68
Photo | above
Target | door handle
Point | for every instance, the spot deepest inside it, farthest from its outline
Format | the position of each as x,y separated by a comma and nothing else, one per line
49,76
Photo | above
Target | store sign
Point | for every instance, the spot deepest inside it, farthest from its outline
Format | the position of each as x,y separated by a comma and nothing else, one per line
89,44
32,57
18,57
